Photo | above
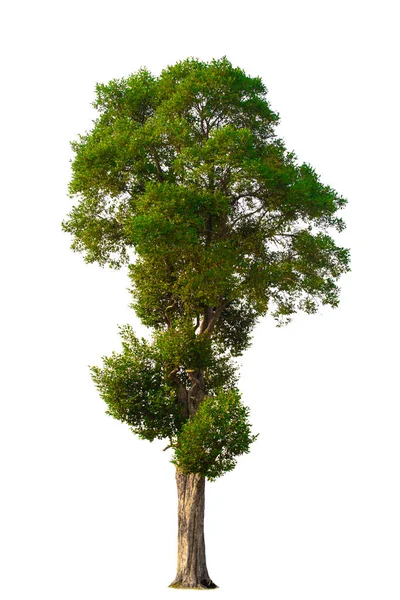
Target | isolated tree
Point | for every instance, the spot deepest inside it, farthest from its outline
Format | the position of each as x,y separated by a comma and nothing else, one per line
183,178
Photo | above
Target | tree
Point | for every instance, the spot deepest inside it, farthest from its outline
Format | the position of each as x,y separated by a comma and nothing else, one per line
183,179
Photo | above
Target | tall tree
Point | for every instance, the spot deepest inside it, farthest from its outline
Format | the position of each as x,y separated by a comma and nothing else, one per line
183,179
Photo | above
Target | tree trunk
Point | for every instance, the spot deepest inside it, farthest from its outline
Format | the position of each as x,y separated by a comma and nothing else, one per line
192,569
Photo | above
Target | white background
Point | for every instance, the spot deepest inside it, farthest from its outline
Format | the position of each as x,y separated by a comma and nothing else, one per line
88,511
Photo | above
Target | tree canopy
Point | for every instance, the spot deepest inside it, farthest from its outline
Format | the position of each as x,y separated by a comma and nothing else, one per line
183,179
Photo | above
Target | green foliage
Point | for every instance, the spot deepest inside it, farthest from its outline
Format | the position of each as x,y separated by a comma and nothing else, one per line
181,346
183,178
233,330
133,387
186,170
219,432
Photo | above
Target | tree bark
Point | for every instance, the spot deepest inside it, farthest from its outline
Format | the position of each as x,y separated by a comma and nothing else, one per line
192,569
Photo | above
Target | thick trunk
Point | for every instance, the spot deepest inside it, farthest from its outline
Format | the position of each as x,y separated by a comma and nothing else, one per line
192,569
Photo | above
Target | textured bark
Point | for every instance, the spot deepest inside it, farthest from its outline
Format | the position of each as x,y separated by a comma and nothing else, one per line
192,569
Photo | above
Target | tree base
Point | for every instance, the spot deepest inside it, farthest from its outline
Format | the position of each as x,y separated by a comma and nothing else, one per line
191,572
201,585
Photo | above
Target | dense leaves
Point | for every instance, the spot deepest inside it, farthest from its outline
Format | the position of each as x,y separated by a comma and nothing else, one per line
183,178
209,443
186,170
133,387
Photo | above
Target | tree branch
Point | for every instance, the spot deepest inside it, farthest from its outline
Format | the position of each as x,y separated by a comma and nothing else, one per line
169,323
214,319
173,377
206,319
246,215
192,376
159,169
166,447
